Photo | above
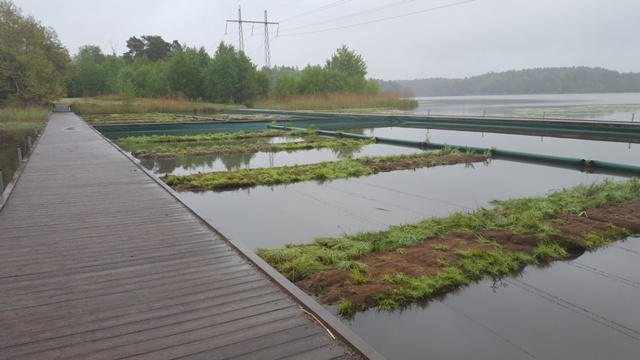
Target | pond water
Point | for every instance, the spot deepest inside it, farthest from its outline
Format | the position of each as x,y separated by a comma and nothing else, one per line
203,164
617,152
372,203
579,309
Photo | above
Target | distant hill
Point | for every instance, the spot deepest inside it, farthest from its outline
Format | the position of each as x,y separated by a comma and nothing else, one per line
565,80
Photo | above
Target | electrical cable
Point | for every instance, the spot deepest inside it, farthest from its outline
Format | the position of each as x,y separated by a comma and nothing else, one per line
383,7
384,19
326,7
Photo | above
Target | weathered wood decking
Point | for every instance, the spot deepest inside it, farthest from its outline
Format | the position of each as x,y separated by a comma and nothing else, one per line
98,261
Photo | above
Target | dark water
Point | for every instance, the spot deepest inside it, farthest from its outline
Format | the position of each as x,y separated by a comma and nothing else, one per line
580,309
301,212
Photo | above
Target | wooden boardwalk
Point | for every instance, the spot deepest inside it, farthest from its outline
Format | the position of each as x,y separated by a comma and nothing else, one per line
99,261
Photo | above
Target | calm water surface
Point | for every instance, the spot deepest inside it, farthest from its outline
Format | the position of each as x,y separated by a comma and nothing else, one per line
580,309
617,107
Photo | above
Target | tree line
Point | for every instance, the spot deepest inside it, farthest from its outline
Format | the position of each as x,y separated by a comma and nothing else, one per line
561,80
35,69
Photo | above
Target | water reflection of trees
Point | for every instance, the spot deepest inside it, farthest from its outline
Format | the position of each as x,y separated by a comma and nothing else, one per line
346,152
193,163
230,162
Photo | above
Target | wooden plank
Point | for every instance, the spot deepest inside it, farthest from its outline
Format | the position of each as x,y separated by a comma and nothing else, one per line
98,261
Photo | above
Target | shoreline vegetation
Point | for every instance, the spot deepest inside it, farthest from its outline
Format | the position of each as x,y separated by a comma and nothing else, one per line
22,117
324,171
341,101
108,109
16,124
115,106
407,263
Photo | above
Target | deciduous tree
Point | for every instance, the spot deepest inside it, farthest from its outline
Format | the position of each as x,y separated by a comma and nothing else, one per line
32,59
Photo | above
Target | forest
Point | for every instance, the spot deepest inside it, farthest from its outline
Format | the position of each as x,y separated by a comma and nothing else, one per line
560,80
35,69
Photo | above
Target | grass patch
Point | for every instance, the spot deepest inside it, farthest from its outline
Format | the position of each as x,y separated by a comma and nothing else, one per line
340,101
23,116
248,148
320,172
495,246
238,135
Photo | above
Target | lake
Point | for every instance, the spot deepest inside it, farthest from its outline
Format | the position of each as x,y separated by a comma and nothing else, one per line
613,107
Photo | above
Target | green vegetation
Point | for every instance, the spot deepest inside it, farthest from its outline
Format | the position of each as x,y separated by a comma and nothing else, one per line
16,124
274,176
568,80
344,72
155,68
23,115
109,107
460,261
183,149
32,60
320,172
238,135
340,102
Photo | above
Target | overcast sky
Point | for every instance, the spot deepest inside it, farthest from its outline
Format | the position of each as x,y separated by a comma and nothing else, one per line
398,39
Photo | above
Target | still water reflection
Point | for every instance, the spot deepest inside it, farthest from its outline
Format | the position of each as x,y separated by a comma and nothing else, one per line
580,309
300,212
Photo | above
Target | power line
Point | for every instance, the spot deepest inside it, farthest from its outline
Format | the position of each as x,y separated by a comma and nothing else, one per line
383,7
323,8
287,4
266,33
379,20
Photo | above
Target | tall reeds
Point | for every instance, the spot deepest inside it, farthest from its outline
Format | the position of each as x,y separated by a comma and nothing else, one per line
23,115
340,101
110,105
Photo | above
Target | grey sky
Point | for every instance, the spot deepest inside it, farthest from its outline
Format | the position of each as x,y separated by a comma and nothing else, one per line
467,39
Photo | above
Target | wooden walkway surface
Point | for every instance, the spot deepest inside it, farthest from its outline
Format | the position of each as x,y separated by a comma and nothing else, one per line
99,261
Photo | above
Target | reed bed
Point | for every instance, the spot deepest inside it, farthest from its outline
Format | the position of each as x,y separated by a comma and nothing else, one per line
27,115
341,101
110,105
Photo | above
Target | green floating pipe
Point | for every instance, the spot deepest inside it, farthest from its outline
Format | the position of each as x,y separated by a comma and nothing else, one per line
564,162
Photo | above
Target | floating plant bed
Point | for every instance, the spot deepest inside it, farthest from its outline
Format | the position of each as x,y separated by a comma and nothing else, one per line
407,263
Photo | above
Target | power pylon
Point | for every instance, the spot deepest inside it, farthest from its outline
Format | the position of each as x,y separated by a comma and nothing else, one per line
267,50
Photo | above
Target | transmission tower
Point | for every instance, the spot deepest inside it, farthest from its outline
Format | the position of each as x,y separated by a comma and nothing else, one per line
241,46
267,50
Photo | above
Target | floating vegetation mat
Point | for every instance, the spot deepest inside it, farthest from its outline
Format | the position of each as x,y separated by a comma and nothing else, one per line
325,171
415,262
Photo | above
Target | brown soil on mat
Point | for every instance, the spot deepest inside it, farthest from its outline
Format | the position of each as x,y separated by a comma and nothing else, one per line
424,258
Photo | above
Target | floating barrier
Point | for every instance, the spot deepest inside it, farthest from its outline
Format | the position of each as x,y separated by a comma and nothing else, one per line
589,166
